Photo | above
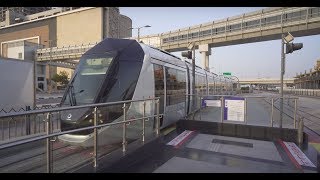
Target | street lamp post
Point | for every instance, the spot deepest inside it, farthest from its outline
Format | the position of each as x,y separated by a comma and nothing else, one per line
146,26
193,68
50,82
283,56
191,55
192,48
34,82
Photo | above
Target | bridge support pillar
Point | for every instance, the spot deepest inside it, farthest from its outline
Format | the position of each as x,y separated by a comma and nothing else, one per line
205,51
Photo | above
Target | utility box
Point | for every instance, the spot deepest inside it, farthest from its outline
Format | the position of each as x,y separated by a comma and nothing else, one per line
16,84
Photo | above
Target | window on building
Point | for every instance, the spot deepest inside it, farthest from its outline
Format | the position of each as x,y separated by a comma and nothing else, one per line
159,85
20,55
40,78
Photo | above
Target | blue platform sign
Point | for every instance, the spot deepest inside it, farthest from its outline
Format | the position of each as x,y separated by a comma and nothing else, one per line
234,109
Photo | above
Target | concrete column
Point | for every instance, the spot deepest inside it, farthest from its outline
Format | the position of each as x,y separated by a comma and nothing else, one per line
205,51
207,62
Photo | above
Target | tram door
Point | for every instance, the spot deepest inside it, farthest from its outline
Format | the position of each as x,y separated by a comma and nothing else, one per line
159,88
175,94
188,98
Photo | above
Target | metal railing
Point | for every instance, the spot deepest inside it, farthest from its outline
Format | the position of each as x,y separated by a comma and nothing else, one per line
198,107
15,127
68,52
303,92
27,108
50,135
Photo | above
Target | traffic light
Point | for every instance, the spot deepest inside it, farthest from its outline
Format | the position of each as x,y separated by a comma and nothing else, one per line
290,47
187,54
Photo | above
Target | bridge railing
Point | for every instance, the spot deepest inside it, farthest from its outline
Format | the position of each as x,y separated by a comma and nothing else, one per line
55,53
123,121
262,20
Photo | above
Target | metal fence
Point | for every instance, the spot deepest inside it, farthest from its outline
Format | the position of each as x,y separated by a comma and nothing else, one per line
15,127
28,108
303,92
200,110
148,109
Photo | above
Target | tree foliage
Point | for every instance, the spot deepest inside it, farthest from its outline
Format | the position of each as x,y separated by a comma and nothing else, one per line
62,78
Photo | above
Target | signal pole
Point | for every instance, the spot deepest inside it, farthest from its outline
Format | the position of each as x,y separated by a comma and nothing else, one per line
191,55
290,47
283,56
193,70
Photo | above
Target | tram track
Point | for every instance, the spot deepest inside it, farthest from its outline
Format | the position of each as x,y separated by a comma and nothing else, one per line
64,157
37,154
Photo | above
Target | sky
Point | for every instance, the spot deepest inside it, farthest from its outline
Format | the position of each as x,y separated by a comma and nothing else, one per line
252,60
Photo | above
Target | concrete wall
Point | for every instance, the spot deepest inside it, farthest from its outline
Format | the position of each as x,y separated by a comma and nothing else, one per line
53,71
79,28
111,18
29,52
16,79
125,25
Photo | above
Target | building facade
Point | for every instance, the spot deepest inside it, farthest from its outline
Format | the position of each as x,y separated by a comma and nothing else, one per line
310,80
61,27
23,11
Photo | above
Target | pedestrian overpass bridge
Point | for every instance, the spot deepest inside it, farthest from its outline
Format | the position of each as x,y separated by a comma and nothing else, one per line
263,25
266,81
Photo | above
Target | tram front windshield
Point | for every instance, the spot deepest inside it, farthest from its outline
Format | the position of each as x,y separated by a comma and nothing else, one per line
88,79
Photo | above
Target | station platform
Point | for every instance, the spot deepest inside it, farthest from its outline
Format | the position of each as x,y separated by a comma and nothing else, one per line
203,142
199,150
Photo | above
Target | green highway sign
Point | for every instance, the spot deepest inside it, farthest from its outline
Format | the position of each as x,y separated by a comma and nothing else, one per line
227,73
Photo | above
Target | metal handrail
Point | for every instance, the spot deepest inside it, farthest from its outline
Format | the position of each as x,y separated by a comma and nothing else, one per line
240,96
273,100
225,96
73,107
50,135
25,141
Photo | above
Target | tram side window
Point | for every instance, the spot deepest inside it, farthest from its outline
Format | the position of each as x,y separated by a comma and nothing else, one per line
159,84
176,86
